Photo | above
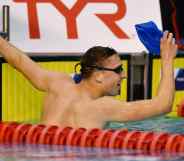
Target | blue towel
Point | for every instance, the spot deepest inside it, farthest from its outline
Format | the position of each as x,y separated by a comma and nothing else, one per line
150,36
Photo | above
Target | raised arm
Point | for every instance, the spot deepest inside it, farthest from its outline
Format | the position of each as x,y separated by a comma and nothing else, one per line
39,77
166,90
115,110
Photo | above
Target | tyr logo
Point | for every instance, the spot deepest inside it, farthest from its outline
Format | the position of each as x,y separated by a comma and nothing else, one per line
71,14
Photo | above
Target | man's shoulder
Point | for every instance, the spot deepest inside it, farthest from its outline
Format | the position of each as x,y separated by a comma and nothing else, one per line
60,81
60,77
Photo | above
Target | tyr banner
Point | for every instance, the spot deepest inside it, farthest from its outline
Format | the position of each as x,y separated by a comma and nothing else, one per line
62,26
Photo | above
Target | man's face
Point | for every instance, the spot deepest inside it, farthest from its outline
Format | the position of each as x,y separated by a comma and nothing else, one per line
112,79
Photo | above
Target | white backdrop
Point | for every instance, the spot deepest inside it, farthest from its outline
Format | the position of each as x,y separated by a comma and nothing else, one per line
91,29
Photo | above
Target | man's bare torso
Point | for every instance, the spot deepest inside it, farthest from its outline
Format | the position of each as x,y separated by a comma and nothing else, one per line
67,105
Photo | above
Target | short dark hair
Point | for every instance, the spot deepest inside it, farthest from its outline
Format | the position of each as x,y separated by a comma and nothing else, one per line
94,57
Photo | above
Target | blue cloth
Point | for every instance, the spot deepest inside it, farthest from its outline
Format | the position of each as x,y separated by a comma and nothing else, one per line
150,36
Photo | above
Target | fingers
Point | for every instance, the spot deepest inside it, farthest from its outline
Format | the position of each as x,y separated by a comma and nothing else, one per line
165,35
173,41
168,37
168,45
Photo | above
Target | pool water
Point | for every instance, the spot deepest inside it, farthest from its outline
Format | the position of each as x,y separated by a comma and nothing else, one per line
157,124
53,153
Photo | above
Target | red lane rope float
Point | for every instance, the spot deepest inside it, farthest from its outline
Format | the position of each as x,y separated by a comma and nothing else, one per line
6,131
61,135
20,133
158,143
173,143
33,134
144,141
74,136
47,135
149,142
89,137
117,138
103,138
181,146
131,139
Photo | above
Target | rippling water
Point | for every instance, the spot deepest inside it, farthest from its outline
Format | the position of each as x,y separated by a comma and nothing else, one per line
158,124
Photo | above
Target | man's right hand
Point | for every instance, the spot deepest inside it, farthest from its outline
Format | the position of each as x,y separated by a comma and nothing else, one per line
168,47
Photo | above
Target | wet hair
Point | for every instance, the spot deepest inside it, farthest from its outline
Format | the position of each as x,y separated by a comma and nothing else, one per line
94,56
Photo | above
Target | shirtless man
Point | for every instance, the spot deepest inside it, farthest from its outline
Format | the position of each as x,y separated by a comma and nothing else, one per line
90,103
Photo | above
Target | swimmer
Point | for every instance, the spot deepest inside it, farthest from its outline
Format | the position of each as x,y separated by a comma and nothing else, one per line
90,103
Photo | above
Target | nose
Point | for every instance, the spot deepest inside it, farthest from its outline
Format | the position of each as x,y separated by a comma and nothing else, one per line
123,75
